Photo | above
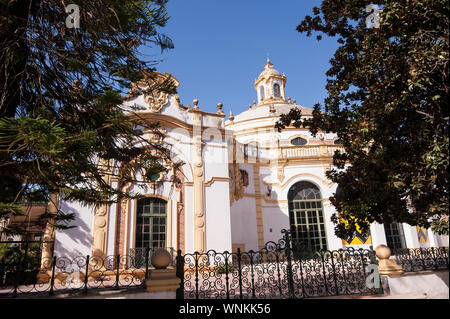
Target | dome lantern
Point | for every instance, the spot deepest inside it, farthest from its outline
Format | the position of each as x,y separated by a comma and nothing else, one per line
270,85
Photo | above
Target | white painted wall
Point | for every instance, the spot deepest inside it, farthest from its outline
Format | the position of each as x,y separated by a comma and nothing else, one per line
77,241
189,219
243,221
217,211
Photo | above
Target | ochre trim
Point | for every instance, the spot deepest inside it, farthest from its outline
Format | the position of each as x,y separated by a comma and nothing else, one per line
269,201
216,179
259,214
266,126
173,122
288,181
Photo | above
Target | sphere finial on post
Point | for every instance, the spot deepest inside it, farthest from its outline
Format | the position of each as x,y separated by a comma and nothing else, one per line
195,105
219,108
387,266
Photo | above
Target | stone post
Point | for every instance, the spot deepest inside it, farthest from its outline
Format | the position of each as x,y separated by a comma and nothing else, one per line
386,266
163,281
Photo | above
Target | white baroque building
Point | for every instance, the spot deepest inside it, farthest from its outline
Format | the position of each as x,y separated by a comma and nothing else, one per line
241,184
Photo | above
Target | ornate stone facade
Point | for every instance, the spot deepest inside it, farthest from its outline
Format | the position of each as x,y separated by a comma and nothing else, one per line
227,194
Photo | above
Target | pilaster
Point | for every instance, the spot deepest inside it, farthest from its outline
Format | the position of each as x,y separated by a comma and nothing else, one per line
198,180
49,233
259,214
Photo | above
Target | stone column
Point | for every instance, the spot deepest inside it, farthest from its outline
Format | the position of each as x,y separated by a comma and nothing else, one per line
49,233
199,187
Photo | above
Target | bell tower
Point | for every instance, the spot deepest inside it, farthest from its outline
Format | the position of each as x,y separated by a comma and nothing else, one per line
270,85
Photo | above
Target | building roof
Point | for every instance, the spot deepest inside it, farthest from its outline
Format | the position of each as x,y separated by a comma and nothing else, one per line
264,111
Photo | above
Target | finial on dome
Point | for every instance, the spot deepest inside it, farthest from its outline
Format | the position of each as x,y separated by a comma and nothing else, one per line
268,63
231,116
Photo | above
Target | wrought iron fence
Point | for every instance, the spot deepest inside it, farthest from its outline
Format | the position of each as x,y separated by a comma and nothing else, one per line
279,270
22,273
276,271
417,259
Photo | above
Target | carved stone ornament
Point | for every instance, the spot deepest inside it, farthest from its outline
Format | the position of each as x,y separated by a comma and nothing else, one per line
156,99
280,173
236,183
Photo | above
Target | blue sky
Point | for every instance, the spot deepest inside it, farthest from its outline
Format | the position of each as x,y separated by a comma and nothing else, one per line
222,46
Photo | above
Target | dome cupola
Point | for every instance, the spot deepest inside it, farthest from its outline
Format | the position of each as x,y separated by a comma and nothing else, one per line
270,85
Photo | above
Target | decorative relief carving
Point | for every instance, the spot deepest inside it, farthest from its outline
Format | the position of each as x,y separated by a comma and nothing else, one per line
100,222
101,211
154,97
156,136
101,218
280,173
198,170
236,183
98,245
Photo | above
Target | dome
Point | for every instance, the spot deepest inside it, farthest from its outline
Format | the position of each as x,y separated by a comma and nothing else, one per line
268,70
267,112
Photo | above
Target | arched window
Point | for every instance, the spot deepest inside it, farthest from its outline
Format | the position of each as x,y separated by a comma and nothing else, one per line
251,149
276,90
306,217
299,141
151,223
261,93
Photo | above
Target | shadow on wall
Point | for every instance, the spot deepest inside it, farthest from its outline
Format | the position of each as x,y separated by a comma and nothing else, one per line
76,241
244,225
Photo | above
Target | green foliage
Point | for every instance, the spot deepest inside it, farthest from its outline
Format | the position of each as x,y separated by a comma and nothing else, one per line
20,263
388,102
223,269
62,125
